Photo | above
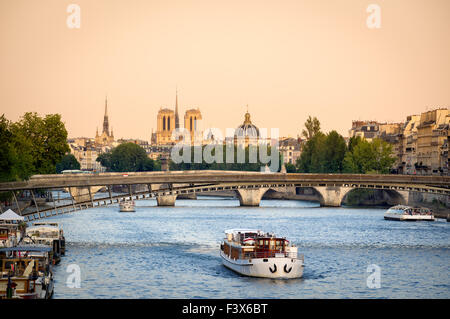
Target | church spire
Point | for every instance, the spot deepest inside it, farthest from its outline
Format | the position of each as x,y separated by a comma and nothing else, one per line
105,118
177,119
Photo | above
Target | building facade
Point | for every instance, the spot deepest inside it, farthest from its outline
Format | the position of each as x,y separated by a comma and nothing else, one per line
168,120
290,149
432,142
192,123
408,156
86,153
364,129
421,144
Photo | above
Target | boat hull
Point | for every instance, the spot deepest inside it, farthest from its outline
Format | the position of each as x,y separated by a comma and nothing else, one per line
276,268
411,218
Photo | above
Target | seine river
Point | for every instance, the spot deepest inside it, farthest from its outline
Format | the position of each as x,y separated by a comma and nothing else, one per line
173,252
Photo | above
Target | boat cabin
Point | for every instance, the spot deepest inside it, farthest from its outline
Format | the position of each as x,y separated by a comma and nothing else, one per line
23,268
47,234
247,244
9,235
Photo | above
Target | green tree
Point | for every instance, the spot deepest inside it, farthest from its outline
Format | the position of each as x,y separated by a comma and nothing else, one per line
68,162
127,157
369,157
312,126
312,157
247,165
334,149
16,161
353,142
7,153
323,154
42,139
290,168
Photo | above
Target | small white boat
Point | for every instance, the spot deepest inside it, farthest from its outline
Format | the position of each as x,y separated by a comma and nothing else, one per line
127,206
258,254
408,213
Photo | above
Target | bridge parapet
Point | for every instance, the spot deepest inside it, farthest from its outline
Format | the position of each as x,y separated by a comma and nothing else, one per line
219,177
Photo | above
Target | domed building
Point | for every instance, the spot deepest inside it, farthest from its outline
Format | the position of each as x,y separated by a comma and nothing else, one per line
247,133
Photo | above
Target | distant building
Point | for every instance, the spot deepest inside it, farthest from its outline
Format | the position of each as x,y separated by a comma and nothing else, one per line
86,153
107,136
248,133
408,156
364,129
165,126
392,133
389,132
290,149
156,152
168,120
432,142
192,119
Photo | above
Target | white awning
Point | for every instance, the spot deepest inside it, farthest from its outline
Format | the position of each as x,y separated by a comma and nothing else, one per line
10,215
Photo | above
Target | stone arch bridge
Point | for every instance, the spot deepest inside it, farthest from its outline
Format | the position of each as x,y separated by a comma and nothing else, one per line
249,186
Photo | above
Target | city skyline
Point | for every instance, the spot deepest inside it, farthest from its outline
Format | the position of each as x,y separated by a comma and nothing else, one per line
285,60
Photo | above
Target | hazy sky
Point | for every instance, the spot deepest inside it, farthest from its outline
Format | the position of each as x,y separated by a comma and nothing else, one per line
286,59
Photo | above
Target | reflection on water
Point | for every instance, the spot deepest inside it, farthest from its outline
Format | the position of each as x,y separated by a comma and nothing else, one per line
173,252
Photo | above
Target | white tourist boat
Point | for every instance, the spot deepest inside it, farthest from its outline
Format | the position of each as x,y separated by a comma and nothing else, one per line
408,213
257,254
127,206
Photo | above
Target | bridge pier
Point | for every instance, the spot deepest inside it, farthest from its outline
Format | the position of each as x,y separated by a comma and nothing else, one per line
404,197
250,197
332,195
83,194
166,200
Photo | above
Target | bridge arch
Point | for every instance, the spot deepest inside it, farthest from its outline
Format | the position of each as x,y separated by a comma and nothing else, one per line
378,196
334,196
251,196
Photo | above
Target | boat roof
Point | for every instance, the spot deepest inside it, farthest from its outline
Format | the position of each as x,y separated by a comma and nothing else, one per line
27,248
242,230
43,227
46,224
400,207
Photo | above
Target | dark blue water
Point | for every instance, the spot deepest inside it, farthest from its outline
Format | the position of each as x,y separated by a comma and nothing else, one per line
173,252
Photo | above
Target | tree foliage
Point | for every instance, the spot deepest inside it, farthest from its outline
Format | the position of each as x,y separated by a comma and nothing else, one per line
330,154
323,154
247,163
312,127
127,157
290,168
369,157
68,162
44,140
33,145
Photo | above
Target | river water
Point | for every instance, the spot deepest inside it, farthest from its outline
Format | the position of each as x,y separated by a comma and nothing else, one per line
173,252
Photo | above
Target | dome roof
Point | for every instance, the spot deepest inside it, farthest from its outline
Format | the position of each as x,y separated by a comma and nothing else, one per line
247,129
